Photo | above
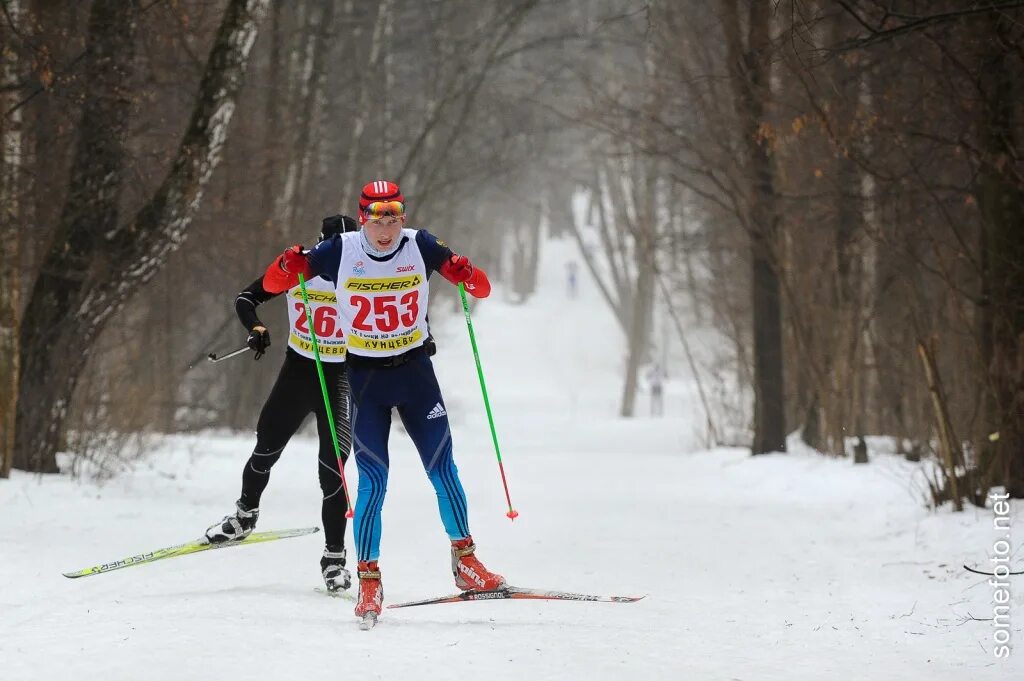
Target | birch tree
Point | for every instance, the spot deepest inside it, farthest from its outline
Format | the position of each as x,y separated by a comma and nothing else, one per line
97,262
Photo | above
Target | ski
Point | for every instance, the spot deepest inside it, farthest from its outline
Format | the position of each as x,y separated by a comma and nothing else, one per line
516,592
369,621
344,594
990,574
187,548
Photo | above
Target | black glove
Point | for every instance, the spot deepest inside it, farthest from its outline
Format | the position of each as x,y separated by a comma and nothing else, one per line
259,340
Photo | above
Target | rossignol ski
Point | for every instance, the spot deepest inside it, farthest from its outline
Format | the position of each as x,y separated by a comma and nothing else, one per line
516,592
188,548
368,621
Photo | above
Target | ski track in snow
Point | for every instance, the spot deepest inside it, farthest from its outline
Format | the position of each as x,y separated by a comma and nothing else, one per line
777,567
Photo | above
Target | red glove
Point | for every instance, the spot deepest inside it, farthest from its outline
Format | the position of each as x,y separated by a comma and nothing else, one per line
293,261
283,273
458,269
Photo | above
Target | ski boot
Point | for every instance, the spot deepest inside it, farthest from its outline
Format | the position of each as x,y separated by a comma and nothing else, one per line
371,593
234,527
470,574
332,566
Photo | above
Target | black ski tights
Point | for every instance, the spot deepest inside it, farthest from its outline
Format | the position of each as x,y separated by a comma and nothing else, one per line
295,395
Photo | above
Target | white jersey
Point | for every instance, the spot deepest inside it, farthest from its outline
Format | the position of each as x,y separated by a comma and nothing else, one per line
330,332
383,305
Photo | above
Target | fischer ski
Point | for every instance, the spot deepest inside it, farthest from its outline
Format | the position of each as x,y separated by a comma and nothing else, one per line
188,548
344,594
516,593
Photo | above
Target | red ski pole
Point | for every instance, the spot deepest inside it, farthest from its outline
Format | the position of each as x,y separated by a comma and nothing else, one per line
487,404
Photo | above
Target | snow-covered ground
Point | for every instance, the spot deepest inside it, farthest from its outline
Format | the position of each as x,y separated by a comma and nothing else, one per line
777,567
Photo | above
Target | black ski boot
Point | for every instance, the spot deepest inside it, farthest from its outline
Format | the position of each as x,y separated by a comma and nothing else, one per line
332,566
234,527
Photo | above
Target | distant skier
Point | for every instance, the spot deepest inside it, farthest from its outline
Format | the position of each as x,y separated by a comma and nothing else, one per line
381,276
295,395
572,277
656,381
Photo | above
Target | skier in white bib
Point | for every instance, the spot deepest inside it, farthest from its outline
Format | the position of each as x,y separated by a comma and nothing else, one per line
380,275
296,394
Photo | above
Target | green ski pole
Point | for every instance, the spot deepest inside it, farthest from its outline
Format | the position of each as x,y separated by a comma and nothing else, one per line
323,388
512,514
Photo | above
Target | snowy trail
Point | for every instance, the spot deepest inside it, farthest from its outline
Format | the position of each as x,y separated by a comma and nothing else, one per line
846,581
781,567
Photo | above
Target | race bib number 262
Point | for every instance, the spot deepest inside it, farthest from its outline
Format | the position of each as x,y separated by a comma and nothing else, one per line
325,321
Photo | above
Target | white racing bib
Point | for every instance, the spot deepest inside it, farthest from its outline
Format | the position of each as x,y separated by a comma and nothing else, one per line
383,305
330,332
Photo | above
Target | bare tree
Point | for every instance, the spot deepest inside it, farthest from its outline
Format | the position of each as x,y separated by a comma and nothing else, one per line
11,165
96,263
750,76
1001,200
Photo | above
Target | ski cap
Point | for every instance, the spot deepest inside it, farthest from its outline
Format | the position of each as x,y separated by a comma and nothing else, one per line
378,191
337,224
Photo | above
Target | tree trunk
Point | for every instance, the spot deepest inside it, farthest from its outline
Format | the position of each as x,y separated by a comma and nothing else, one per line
319,24
844,336
525,235
617,292
50,329
94,266
48,133
750,76
811,431
949,446
365,87
273,130
639,331
769,413
1001,201
11,163
645,229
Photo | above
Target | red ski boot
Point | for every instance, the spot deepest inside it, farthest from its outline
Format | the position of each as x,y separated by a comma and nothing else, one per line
371,593
470,574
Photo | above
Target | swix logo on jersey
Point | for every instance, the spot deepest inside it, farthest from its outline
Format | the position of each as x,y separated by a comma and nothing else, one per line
384,284
406,268
437,412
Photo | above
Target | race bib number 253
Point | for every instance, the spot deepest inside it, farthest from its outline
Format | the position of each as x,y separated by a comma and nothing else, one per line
385,312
